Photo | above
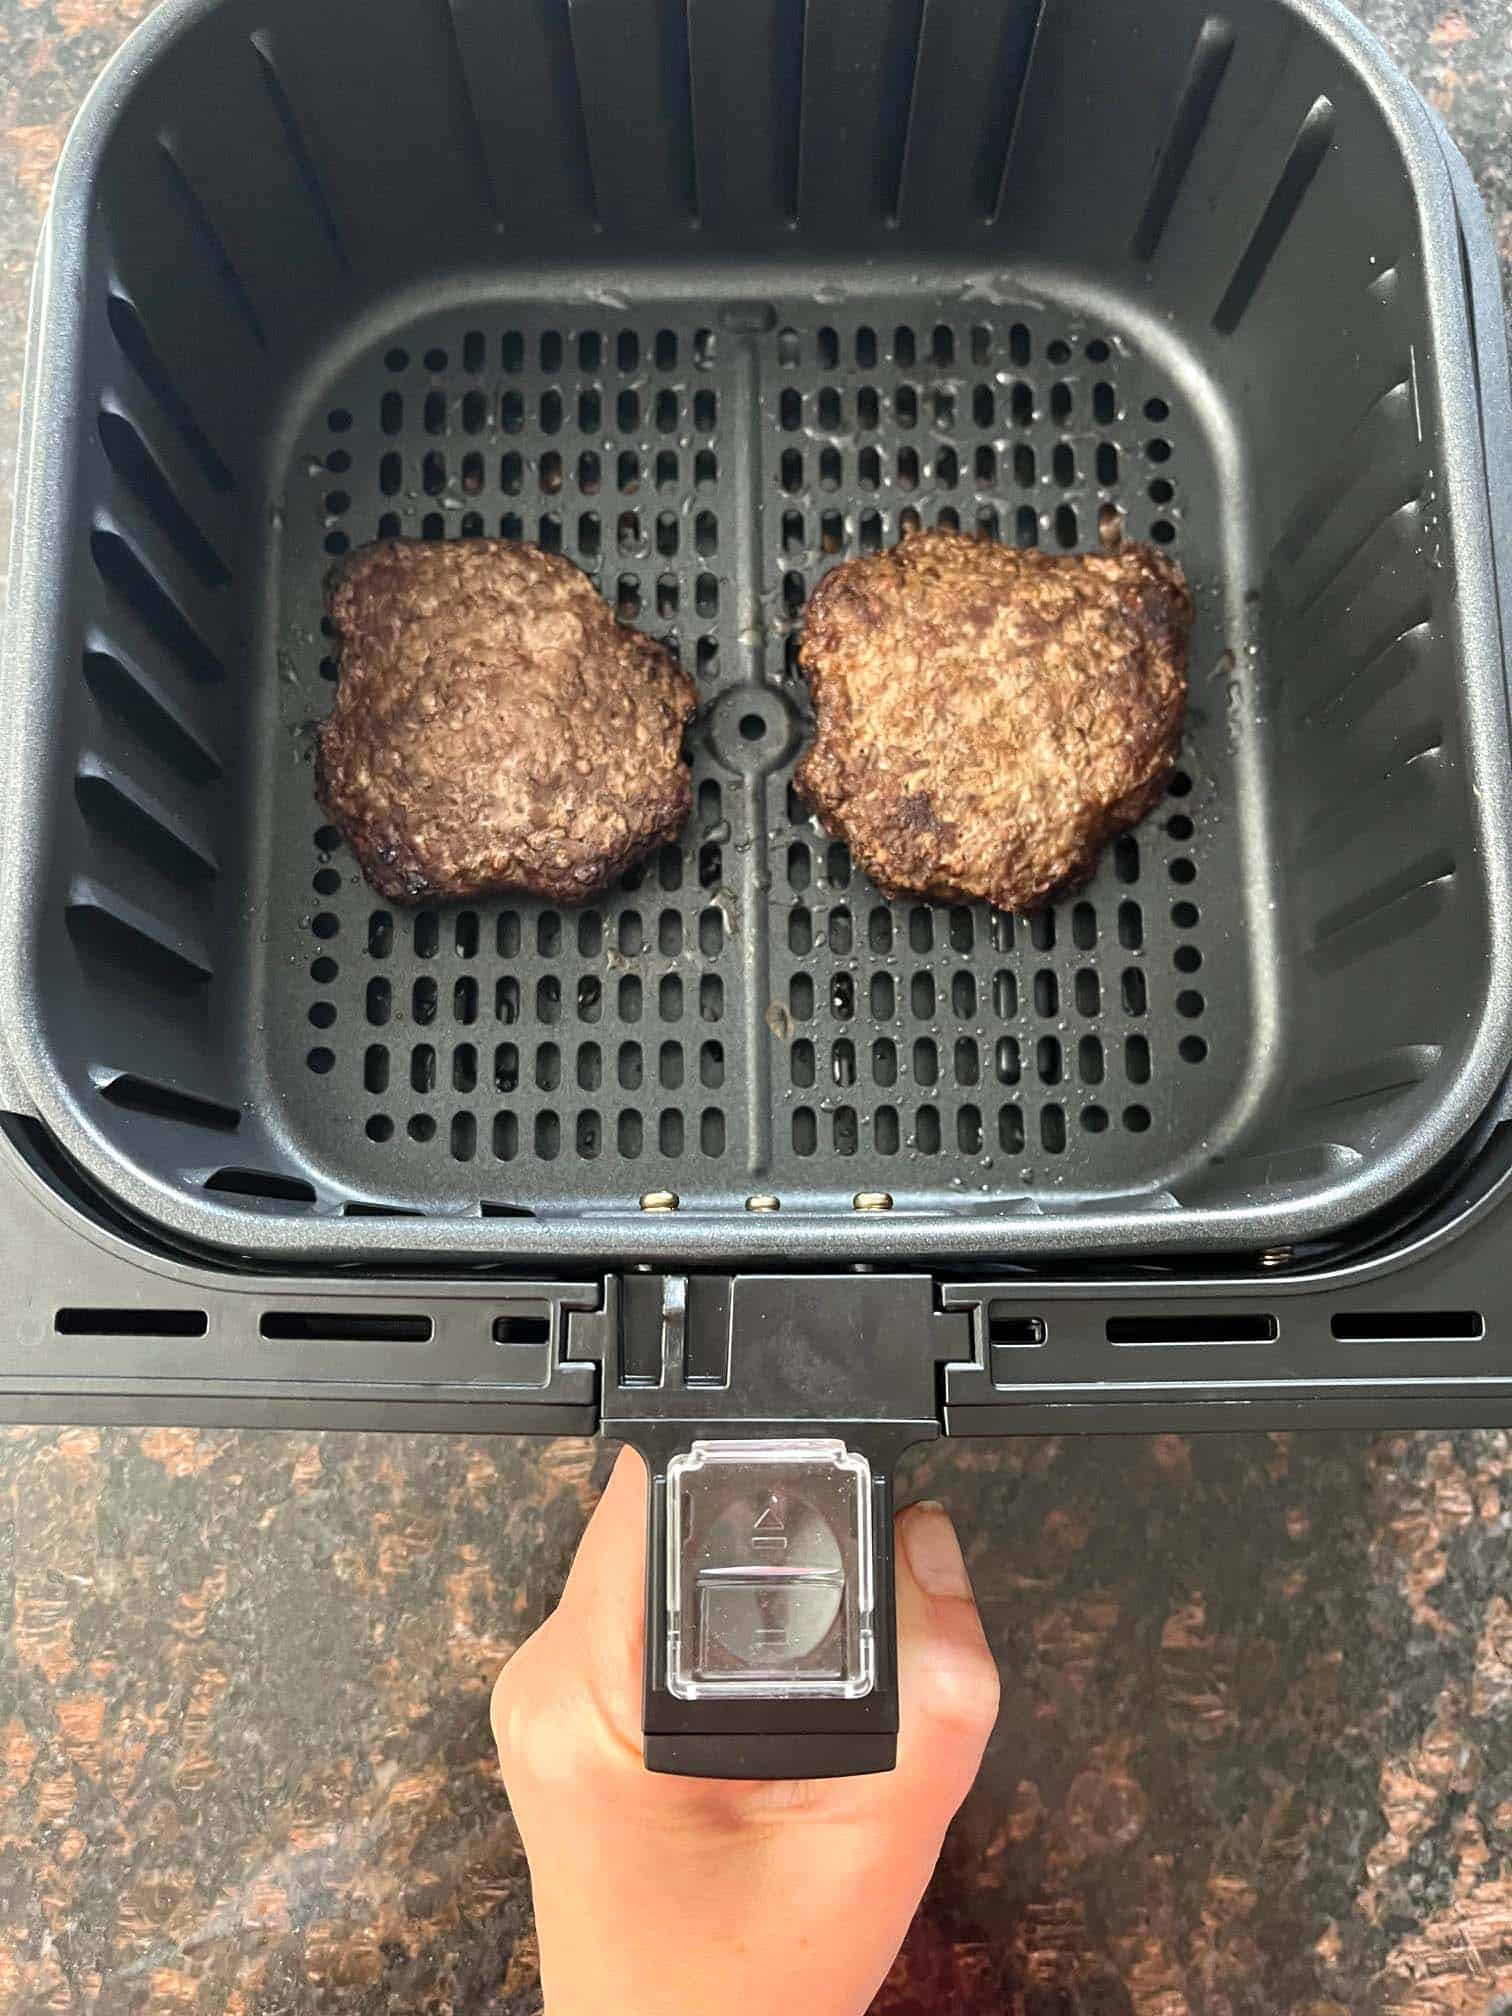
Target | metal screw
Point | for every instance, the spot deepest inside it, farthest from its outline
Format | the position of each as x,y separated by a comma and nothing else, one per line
763,1203
660,1200
1277,1256
872,1200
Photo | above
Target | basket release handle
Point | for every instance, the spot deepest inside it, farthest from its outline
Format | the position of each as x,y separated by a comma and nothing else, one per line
770,1411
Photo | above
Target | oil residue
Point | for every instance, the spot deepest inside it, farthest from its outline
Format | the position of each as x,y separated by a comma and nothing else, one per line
780,1021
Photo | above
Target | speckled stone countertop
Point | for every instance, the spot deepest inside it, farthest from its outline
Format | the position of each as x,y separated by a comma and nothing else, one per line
1256,1746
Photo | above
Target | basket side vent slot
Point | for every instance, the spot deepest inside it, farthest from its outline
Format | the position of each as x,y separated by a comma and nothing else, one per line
120,815
858,86
215,246
261,1183
1379,1080
299,150
1010,72
168,1102
900,87
1194,107
1370,442
123,570
1328,597
138,468
1314,138
750,57
134,699
975,60
105,926
1403,903
137,348
1392,654
646,166
523,103
471,121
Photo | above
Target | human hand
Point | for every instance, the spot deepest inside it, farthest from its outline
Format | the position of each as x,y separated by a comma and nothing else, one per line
661,1896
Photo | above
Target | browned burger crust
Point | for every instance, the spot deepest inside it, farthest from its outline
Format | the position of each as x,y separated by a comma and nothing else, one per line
495,726
989,717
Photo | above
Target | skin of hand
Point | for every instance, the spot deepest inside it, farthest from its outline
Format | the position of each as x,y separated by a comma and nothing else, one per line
662,1896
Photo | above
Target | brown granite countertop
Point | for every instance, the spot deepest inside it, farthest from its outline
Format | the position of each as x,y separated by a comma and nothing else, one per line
1256,1747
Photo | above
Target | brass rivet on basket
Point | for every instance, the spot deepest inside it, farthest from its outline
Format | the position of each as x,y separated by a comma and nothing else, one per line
763,1203
660,1200
872,1200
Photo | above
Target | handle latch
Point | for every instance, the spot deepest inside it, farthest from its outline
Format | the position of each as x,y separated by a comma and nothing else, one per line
771,1411
769,1580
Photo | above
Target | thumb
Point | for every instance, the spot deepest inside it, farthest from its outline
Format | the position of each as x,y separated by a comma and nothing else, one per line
947,1677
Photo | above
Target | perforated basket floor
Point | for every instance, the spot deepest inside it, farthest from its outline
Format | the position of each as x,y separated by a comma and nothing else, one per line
746,1015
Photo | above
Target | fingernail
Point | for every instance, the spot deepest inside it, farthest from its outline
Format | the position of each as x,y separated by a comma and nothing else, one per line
934,1552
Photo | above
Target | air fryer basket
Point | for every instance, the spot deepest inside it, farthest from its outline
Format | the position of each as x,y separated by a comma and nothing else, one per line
707,297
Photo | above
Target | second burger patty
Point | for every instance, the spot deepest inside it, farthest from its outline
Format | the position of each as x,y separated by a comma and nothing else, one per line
990,717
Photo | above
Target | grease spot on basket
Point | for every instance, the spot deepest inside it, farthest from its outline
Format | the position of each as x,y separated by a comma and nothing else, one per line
780,1021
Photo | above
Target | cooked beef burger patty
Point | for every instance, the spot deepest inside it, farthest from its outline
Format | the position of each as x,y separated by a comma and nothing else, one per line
988,717
495,727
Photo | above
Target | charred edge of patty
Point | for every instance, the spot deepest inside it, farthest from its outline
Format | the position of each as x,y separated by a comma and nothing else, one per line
391,870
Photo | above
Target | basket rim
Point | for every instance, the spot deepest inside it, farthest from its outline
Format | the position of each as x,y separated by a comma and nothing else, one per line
1472,396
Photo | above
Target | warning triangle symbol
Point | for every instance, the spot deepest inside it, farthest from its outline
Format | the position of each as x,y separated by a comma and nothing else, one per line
770,1521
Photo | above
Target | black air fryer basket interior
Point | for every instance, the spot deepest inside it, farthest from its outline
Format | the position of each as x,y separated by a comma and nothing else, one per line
707,297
